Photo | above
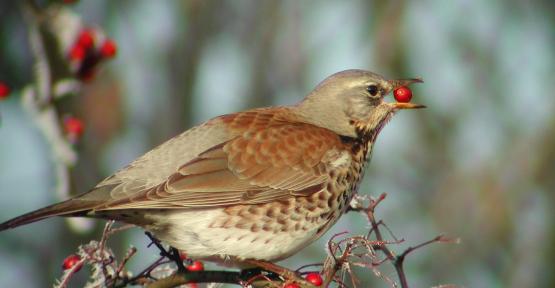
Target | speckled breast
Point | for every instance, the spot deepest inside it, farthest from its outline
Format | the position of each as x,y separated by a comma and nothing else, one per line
312,215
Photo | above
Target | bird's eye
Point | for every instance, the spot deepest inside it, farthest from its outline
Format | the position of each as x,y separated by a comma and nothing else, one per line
373,90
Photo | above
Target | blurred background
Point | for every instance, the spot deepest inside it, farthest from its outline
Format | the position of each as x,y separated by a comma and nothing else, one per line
478,163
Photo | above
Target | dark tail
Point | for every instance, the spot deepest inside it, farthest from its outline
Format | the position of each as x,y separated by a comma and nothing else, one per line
70,207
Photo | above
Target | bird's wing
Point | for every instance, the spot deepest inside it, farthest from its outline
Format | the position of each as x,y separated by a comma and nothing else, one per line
262,164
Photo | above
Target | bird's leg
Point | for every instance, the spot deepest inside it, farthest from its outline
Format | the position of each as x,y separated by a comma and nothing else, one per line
173,254
156,242
177,258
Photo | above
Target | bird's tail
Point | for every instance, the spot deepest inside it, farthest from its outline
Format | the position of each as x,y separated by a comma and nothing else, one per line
71,207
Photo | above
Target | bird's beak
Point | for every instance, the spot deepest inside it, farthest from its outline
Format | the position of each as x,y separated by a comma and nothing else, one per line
396,83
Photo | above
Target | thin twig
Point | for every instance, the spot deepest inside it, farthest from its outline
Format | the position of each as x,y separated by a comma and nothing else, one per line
308,265
121,266
143,274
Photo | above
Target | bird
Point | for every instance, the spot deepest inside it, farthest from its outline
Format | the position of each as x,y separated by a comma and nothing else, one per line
260,184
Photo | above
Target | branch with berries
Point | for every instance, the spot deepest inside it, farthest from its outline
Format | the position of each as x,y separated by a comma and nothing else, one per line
345,252
67,54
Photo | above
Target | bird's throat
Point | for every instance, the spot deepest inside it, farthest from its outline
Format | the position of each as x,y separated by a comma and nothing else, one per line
367,134
361,147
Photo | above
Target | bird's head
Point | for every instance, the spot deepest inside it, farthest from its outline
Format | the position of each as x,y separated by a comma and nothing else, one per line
352,102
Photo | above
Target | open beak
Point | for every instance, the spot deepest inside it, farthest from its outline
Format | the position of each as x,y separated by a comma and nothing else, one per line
405,82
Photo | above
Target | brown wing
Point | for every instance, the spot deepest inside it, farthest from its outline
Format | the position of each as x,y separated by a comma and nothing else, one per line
261,165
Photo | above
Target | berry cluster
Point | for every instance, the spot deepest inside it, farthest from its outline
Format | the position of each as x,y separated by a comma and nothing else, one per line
87,51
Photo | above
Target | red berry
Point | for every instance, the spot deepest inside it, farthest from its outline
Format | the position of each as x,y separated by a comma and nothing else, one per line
291,285
314,278
74,126
402,94
77,53
196,266
108,49
182,255
4,90
86,39
71,261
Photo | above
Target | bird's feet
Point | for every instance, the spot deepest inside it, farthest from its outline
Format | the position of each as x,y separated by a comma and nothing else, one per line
172,254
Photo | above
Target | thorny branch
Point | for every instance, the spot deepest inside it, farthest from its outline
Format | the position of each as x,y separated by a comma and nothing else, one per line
379,244
344,253
52,30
